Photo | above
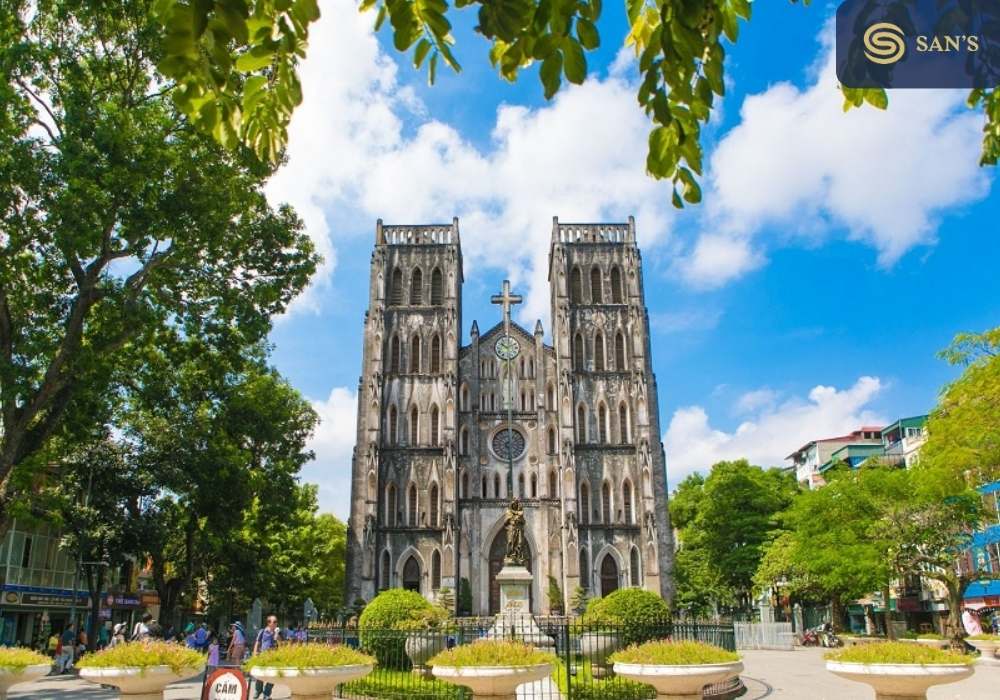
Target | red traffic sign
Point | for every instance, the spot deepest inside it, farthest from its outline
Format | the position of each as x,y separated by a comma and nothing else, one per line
225,684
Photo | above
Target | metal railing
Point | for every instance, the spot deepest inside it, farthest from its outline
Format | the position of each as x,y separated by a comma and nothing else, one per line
582,672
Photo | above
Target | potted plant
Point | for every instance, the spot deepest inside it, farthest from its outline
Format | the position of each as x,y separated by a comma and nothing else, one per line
932,639
18,665
985,644
311,670
624,617
426,636
899,671
382,626
677,670
493,668
141,670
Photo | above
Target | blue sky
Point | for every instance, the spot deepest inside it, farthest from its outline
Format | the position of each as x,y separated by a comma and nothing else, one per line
833,256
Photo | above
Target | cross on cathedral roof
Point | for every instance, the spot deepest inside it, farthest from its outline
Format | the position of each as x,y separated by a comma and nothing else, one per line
506,300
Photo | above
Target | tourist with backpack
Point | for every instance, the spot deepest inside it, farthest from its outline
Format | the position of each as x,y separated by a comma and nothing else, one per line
267,638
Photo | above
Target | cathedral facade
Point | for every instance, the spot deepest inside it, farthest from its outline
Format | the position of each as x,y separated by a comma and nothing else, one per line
430,483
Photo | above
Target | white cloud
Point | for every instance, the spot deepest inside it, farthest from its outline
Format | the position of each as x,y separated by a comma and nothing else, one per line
797,163
754,400
362,148
333,443
773,431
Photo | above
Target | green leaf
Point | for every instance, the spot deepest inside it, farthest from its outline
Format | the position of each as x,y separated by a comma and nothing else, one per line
877,98
587,33
420,53
574,61
550,73
258,57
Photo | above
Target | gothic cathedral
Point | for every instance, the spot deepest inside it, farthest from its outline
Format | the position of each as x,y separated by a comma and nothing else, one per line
430,467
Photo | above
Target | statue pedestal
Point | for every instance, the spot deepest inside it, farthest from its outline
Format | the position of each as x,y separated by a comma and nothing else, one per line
515,621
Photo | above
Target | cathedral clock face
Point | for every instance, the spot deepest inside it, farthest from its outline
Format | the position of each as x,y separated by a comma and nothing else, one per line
507,348
511,450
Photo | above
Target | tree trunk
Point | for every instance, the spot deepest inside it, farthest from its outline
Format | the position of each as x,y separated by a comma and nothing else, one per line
836,613
887,617
95,582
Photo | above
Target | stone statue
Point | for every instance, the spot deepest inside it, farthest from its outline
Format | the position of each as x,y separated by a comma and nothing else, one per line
517,548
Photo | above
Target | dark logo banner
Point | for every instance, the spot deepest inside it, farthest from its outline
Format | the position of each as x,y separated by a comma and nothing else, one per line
919,43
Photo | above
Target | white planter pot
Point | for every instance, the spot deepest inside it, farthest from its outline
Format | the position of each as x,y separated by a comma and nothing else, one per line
139,683
597,647
311,683
10,678
494,682
421,646
987,648
900,681
679,682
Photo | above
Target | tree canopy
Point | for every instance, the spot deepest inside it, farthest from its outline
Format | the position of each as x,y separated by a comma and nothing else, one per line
124,226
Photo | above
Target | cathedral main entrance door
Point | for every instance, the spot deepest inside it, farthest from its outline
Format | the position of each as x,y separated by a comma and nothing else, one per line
411,575
497,552
609,575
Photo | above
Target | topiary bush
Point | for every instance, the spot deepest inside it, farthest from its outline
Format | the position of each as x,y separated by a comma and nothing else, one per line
382,624
634,614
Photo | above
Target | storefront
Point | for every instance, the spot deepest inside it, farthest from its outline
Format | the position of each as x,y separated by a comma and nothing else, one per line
29,615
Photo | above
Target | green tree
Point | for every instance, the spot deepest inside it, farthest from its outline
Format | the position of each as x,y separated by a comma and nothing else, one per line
725,521
123,226
224,439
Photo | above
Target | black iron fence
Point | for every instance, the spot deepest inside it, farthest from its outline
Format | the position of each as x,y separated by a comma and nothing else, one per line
583,670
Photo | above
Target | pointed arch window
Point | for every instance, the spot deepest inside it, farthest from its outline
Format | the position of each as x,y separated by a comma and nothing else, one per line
598,352
620,352
553,484
393,426
395,365
550,397
482,492
463,442
435,570
623,425
627,502
581,424
386,570
634,573
578,353
463,401
417,288
396,289
415,355
584,505
616,286
606,514
496,486
520,486
435,427
531,367
411,506
465,485
435,506
437,291
552,441
584,568
602,423
391,507
596,286
414,426
534,486
575,286
436,354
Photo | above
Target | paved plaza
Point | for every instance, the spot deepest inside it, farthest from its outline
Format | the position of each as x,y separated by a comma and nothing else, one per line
795,675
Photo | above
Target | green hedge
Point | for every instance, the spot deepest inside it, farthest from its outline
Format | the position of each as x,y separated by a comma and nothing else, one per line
634,614
379,625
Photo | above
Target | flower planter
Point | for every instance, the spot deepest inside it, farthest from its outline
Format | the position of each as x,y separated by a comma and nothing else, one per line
311,683
597,647
139,683
10,677
678,682
900,681
986,647
495,682
421,646
934,643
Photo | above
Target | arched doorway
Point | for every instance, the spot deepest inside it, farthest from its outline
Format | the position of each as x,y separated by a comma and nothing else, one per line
411,575
609,575
497,552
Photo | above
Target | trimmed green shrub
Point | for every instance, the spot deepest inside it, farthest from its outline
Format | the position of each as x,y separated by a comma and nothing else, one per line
312,655
390,686
383,620
492,653
932,635
667,653
145,654
16,659
898,653
627,607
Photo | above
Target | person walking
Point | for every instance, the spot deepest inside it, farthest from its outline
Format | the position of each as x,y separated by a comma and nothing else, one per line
213,650
141,630
267,638
237,643
68,640
117,635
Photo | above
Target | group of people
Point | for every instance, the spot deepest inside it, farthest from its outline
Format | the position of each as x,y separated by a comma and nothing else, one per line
269,637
